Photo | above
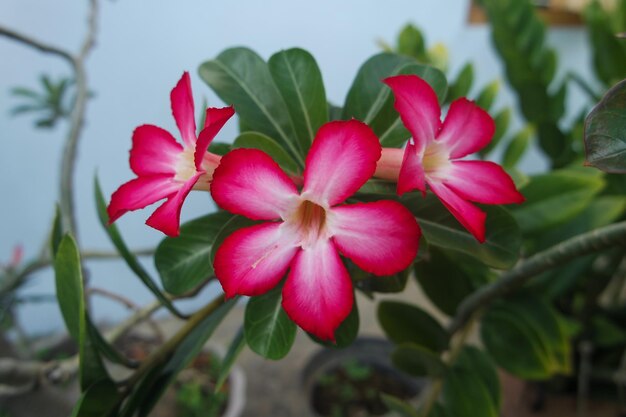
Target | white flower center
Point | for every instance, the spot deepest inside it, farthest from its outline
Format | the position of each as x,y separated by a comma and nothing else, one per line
436,159
309,220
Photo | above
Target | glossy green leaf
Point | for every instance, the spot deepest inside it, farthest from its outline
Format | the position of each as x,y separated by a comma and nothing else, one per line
605,132
234,349
517,147
444,281
230,226
464,395
462,84
405,323
256,140
184,262
345,334
371,101
99,400
267,328
479,364
440,228
418,361
299,80
127,255
398,406
556,197
242,78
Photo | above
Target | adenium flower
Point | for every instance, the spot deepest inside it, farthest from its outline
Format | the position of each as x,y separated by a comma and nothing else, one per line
308,230
432,155
167,169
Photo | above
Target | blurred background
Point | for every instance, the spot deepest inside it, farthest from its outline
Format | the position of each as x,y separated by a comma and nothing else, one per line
142,49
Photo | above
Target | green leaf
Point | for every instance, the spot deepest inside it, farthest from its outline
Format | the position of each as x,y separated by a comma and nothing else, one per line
405,323
609,56
219,148
105,348
464,395
605,132
411,42
445,282
256,140
299,80
398,406
57,231
371,101
99,400
236,346
232,225
606,333
502,120
370,283
268,330
517,147
127,255
479,364
463,83
70,293
556,197
418,361
240,77
184,262
440,228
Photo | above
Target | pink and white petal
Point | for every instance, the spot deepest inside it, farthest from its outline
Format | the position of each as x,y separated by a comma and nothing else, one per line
389,164
411,175
166,217
213,123
482,182
139,193
254,259
154,151
418,106
470,216
317,295
380,237
250,183
341,159
183,110
467,128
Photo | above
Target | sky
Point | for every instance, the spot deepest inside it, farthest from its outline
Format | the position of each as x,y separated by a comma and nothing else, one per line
142,49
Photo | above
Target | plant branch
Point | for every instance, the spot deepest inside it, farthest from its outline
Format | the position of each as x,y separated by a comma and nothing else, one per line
594,241
40,46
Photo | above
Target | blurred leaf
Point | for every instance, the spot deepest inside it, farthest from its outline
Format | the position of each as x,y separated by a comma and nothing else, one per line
411,42
440,228
57,231
517,147
267,328
256,140
240,77
398,406
183,262
127,255
605,132
370,283
606,333
236,346
405,323
502,120
345,334
556,197
334,112
371,101
465,395
462,84
444,281
480,365
99,400
299,80
418,361
488,95
219,148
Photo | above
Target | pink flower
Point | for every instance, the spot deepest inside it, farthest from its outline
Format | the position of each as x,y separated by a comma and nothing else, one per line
432,154
309,229
167,169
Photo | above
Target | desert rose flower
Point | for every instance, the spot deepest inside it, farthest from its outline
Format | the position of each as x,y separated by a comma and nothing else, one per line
306,231
432,155
167,169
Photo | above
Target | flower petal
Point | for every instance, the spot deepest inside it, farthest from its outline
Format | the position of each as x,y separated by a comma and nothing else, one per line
411,175
341,159
250,183
467,128
483,182
154,151
254,259
470,216
317,295
213,123
418,106
140,192
183,110
380,237
166,217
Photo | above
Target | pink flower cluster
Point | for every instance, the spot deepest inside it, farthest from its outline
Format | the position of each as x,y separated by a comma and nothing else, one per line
306,230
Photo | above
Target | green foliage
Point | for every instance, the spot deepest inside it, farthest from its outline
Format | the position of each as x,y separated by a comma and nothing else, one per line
267,328
405,323
236,346
605,131
517,147
346,333
418,361
183,262
256,140
51,104
463,83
